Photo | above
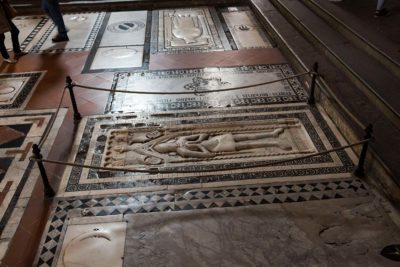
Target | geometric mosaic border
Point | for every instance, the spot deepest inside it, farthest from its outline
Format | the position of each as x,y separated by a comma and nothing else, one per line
36,29
37,48
175,201
97,181
21,174
23,96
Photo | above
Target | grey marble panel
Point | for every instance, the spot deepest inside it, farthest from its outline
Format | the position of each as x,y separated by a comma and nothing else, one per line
78,210
245,30
208,79
327,233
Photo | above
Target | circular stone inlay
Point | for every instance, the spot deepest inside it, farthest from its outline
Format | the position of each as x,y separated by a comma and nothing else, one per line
125,26
120,53
6,90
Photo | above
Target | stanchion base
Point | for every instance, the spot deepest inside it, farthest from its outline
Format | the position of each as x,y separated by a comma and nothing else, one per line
49,193
359,173
77,117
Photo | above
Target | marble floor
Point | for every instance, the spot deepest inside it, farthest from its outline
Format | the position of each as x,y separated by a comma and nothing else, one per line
196,158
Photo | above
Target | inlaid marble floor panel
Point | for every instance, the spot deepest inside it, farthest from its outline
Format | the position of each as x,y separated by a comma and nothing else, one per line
194,80
82,31
17,88
117,57
98,244
244,28
120,43
19,130
187,30
260,135
283,224
28,27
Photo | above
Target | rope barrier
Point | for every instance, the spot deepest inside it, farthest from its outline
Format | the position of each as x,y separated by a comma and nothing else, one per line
157,171
53,119
191,92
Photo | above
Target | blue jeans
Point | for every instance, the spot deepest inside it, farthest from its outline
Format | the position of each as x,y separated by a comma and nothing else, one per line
379,5
52,9
14,37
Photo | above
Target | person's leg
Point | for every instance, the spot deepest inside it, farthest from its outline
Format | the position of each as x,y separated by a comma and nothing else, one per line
53,9
379,5
380,10
3,49
15,42
14,37
45,7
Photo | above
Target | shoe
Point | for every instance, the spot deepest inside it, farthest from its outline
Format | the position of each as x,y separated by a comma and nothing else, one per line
20,54
60,38
10,60
381,13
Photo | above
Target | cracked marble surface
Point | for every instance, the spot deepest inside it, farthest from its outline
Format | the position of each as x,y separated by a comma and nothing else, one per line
324,233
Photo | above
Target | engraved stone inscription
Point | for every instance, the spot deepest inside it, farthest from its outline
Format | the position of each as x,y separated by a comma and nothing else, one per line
245,30
187,28
194,29
137,147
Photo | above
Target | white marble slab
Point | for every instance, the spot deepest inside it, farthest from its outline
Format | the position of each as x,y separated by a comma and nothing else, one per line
100,245
125,28
118,57
245,30
82,30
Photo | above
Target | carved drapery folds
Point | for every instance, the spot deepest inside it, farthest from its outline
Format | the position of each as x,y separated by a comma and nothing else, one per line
132,147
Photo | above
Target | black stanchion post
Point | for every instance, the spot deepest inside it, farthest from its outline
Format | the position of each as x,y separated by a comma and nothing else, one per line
311,99
70,86
48,191
359,171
